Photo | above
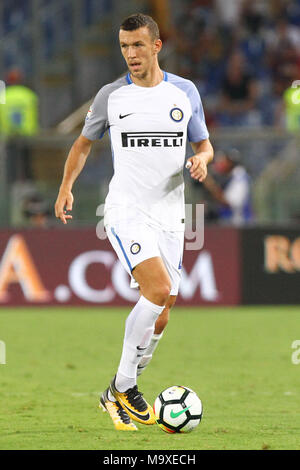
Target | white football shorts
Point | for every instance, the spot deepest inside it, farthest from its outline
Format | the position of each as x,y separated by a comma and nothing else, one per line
135,242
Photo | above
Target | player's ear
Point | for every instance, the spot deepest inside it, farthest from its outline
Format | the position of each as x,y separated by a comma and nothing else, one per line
157,45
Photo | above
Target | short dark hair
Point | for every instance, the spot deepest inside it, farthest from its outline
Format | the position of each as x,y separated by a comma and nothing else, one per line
139,20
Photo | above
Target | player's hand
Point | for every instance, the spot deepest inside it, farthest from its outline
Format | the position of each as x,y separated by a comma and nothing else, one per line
198,167
64,203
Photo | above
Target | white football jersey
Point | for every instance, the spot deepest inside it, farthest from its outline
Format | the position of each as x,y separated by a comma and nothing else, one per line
148,128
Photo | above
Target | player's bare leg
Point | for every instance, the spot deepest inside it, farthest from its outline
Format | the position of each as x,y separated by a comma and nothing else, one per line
153,279
160,325
163,318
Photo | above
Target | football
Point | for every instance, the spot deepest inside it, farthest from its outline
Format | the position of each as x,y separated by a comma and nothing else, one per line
178,409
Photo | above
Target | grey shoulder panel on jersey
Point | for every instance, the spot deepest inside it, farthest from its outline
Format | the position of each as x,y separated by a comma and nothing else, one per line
183,83
197,129
96,121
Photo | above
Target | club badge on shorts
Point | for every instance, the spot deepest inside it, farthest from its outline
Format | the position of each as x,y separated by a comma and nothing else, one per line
176,114
135,248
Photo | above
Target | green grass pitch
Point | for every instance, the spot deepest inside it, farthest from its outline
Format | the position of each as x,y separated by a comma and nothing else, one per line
238,360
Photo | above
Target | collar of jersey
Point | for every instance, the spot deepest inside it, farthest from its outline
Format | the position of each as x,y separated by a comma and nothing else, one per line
129,81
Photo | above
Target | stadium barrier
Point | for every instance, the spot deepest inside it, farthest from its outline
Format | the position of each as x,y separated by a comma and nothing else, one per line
74,267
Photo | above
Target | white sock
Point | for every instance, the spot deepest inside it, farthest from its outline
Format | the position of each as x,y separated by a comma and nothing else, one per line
139,328
148,353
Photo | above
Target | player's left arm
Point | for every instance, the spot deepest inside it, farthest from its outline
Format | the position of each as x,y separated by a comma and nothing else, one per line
203,155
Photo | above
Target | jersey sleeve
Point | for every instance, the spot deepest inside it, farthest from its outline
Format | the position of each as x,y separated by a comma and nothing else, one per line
197,129
96,121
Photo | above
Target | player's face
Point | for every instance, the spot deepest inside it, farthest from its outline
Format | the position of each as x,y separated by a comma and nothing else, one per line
139,50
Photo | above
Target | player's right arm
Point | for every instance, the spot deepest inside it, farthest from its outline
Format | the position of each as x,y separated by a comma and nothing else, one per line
73,166
96,123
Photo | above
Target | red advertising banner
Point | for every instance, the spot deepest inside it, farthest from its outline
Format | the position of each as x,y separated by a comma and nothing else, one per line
74,267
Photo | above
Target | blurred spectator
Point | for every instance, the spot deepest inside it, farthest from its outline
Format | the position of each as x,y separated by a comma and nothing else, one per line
239,94
293,12
190,27
284,54
228,11
253,43
284,34
291,99
229,187
36,211
19,115
160,10
14,14
284,64
242,55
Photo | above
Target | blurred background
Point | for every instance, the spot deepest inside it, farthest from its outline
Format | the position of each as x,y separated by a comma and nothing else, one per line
243,56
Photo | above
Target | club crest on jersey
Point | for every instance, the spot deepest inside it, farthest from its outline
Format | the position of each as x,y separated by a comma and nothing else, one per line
135,248
176,114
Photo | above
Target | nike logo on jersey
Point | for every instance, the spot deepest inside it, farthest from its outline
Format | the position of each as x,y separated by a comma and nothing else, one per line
124,115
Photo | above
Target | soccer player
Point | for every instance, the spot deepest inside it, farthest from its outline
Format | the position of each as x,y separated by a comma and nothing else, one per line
149,114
